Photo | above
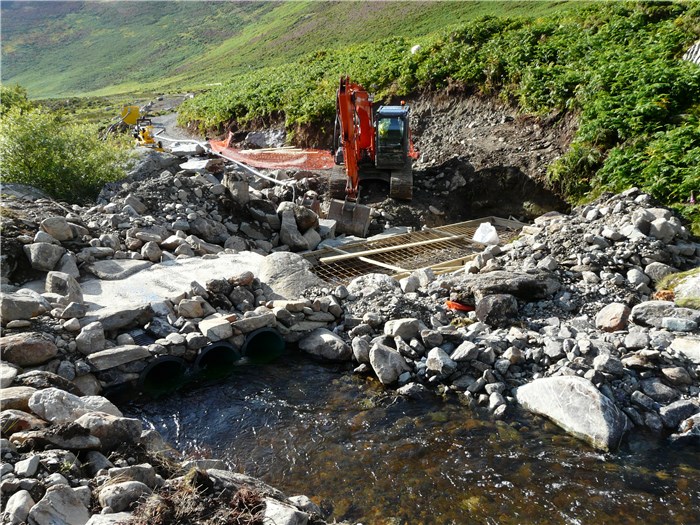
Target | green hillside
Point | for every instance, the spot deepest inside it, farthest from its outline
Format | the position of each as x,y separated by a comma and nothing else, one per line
58,49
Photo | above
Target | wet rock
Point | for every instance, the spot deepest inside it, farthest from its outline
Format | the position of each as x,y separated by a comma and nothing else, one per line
27,349
612,317
111,430
58,406
387,363
119,355
122,496
574,404
324,344
43,255
60,504
497,310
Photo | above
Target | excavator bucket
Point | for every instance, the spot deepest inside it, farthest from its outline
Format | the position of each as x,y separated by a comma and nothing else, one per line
351,218
130,115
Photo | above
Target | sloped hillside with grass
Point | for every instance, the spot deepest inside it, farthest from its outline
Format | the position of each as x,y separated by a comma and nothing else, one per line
58,49
616,66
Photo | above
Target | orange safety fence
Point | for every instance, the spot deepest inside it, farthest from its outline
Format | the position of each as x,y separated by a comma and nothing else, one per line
278,158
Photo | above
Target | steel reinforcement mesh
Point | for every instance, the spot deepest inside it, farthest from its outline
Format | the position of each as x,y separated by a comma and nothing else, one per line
445,243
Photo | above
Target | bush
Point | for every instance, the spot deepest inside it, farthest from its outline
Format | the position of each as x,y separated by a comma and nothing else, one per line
13,97
65,159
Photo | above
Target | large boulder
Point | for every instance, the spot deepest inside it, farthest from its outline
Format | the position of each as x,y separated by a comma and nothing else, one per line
59,406
43,255
289,275
577,406
526,286
27,349
22,304
111,430
65,285
324,344
498,310
60,504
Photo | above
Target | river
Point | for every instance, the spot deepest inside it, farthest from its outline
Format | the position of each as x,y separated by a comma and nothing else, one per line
368,456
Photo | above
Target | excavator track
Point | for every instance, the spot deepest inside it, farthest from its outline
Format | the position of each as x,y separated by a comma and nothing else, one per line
401,183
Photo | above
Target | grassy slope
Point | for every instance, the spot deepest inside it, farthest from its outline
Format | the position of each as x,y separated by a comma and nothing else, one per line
98,48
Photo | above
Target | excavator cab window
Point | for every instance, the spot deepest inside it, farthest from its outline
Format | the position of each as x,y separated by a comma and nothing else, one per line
390,131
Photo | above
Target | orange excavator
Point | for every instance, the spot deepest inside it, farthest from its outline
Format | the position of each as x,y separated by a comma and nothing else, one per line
368,143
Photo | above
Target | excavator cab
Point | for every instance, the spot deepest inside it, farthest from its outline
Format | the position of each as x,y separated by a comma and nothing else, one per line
392,137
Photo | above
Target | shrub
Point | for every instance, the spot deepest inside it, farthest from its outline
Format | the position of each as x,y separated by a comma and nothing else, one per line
65,159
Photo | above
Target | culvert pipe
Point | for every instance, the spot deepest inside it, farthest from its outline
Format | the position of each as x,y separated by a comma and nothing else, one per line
163,375
216,360
263,346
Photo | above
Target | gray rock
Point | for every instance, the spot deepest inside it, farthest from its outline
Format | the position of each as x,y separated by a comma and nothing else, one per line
288,274
59,505
254,322
657,271
324,344
651,313
574,404
655,389
304,217
7,374
360,349
387,363
116,356
406,328
15,306
209,230
43,255
151,252
608,364
673,414
59,406
58,228
120,316
522,285
111,430
235,481
313,239
96,461
27,349
663,230
17,508
118,518
91,338
498,310
278,513
675,324
65,285
122,496
688,347
289,233
216,328
26,468
439,363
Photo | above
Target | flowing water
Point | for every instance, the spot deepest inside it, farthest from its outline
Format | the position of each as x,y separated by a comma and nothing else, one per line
367,456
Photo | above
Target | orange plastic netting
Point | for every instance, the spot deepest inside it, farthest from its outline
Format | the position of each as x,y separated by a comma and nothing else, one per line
281,158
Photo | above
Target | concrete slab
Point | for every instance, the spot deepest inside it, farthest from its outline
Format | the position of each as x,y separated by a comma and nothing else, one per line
165,280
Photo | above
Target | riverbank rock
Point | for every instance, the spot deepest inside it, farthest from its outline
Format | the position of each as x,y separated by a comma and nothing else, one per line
574,404
324,344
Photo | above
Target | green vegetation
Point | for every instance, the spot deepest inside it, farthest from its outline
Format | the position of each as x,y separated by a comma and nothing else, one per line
44,149
104,48
615,65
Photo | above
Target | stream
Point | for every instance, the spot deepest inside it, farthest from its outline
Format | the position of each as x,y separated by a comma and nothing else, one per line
367,456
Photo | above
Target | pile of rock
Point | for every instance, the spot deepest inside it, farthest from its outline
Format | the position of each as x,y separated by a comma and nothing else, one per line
75,459
570,299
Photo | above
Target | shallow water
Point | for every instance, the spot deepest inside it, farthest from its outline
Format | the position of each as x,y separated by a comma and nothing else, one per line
367,456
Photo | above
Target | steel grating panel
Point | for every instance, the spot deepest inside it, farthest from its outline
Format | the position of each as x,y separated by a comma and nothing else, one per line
404,253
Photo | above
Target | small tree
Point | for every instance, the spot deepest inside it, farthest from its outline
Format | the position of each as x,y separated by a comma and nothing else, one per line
67,160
